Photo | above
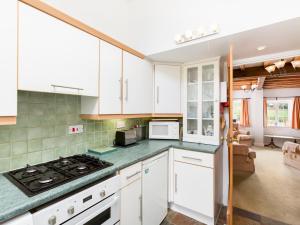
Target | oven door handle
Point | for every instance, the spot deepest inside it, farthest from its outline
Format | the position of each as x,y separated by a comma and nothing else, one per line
102,209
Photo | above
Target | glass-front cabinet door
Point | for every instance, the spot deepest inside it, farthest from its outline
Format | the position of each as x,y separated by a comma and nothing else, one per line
201,95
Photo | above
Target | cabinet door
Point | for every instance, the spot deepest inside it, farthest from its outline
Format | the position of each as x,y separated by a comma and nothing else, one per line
110,79
8,58
55,56
131,197
167,89
138,85
210,101
193,188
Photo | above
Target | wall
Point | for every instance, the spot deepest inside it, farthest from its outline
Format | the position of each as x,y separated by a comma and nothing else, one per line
255,113
286,92
150,26
41,133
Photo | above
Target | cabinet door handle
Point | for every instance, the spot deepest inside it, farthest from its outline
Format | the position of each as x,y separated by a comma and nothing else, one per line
120,89
132,175
126,83
176,182
157,94
141,208
192,158
67,87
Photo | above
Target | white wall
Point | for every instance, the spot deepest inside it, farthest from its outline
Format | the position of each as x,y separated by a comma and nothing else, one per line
285,92
150,26
255,114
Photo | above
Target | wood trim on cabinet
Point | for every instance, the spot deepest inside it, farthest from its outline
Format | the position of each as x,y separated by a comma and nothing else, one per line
128,116
38,4
8,120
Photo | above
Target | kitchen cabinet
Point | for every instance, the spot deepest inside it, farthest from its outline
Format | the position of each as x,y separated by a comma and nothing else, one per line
137,85
110,83
201,102
155,189
131,195
196,188
8,62
167,89
55,56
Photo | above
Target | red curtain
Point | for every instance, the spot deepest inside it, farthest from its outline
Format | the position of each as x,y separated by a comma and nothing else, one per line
244,121
296,114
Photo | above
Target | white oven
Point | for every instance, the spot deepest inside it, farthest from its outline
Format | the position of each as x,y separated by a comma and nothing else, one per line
95,205
164,130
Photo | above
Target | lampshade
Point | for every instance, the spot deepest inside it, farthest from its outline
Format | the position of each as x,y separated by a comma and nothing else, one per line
244,87
280,64
270,68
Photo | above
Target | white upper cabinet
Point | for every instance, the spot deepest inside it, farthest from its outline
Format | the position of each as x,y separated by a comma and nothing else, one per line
8,58
201,94
110,79
137,85
167,89
55,56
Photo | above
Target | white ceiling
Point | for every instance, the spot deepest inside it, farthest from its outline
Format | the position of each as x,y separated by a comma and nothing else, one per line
279,37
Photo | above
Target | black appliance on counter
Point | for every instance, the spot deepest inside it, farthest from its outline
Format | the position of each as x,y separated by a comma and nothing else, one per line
125,137
33,180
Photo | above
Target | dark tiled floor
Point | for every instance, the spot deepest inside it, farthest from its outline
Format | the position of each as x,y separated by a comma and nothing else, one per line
241,217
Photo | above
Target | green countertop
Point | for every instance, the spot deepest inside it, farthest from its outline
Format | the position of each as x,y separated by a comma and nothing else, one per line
14,202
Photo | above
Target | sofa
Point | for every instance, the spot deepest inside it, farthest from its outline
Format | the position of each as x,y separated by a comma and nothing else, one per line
242,136
291,154
243,158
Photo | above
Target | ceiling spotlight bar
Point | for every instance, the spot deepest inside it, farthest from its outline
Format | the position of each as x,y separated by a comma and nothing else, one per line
190,35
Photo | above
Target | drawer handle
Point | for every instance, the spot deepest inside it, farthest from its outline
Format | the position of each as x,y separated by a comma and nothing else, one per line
130,176
192,158
74,88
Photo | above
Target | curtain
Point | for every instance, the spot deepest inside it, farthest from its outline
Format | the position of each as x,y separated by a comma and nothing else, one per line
296,114
244,121
265,113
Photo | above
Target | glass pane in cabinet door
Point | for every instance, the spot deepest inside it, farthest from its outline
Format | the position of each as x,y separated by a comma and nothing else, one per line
192,110
208,110
208,91
192,92
208,72
192,75
207,127
192,126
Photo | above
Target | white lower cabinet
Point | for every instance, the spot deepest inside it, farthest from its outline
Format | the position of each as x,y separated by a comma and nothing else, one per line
194,187
131,195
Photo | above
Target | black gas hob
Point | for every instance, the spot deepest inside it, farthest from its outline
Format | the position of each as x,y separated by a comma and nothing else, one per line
33,180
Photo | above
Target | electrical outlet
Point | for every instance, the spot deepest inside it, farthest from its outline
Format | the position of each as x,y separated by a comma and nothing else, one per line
120,124
76,129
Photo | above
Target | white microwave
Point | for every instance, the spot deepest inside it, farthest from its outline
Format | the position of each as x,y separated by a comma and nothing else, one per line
164,130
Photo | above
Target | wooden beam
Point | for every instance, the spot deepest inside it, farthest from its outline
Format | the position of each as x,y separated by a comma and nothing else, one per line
8,120
38,4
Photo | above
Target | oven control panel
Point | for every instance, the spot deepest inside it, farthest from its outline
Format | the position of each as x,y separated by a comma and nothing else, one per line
67,208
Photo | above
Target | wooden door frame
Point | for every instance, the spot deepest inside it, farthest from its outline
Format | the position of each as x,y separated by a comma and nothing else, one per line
229,214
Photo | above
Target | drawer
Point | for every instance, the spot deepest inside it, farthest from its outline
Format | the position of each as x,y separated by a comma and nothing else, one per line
130,174
196,158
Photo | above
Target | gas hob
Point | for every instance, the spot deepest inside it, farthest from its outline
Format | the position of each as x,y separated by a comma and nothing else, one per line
33,180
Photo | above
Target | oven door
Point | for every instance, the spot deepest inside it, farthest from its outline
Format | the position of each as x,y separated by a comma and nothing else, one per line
106,212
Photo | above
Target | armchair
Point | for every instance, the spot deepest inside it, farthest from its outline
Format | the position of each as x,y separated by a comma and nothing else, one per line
243,158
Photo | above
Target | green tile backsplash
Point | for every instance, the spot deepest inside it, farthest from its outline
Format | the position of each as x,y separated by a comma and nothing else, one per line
41,133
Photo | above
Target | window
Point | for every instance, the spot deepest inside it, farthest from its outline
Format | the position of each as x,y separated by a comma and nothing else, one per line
237,110
279,112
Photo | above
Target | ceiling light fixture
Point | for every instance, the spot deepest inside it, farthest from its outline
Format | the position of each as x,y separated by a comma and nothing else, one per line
260,48
280,64
253,87
296,63
270,68
190,35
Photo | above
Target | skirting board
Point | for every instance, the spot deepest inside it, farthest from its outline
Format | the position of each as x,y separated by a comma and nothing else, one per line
196,216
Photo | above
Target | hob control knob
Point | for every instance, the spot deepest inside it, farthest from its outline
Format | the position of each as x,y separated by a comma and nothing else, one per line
102,194
52,220
71,210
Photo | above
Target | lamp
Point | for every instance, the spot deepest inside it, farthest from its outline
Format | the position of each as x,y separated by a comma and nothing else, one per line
296,63
253,87
280,64
270,68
